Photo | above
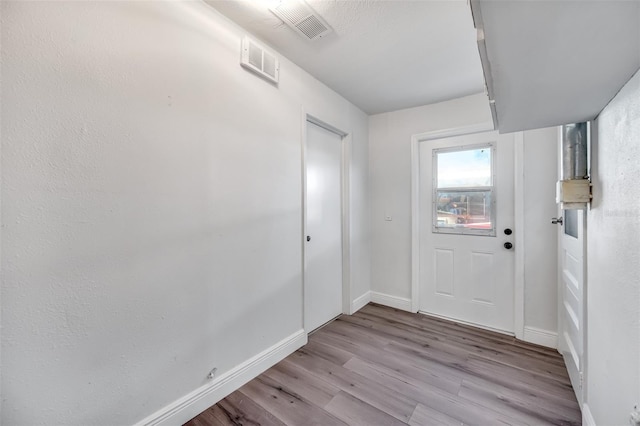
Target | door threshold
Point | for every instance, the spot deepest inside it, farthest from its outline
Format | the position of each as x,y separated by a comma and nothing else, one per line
324,325
470,324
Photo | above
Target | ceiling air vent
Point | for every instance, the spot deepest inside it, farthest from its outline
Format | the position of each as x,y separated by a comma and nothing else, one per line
256,59
299,16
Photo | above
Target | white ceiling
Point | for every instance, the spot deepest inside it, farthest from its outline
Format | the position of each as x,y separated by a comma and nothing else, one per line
384,55
556,62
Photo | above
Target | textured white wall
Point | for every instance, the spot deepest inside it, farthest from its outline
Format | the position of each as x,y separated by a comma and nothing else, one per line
613,265
540,237
151,214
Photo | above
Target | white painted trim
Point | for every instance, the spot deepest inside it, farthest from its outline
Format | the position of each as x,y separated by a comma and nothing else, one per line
414,304
320,123
396,302
487,126
587,417
559,285
518,289
192,404
360,302
541,337
345,202
346,223
303,195
415,224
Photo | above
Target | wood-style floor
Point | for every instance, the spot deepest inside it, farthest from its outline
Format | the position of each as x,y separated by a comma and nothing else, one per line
382,366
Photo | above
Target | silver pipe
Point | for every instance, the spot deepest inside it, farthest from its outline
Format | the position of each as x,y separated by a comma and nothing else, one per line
574,151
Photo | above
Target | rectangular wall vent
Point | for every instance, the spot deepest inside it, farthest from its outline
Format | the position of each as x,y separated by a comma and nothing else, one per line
260,61
301,18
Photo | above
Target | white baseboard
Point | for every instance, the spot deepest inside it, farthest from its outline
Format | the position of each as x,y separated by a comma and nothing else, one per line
192,404
541,337
360,302
587,417
401,303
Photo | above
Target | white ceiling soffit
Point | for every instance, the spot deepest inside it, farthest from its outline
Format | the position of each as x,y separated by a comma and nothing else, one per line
382,55
555,62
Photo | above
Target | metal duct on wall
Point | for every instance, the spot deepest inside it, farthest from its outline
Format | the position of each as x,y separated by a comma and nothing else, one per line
573,191
574,151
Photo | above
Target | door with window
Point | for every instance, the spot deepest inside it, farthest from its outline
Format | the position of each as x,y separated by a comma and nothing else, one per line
571,250
466,229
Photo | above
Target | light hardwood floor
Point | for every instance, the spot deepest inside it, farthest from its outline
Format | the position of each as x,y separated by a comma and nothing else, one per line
382,366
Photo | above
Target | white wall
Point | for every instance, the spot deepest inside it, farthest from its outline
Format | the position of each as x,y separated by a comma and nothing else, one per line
151,210
540,236
613,264
390,170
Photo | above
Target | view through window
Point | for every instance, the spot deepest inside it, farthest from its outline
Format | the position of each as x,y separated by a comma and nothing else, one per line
464,198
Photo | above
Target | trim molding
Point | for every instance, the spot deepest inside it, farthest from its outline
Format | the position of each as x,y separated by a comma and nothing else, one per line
415,224
518,288
360,302
345,179
587,417
401,303
192,404
541,337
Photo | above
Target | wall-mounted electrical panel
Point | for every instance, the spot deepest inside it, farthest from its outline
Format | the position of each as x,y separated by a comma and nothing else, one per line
573,193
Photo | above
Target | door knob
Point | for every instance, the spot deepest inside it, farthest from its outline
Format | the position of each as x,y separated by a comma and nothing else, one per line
556,220
508,231
308,237
508,245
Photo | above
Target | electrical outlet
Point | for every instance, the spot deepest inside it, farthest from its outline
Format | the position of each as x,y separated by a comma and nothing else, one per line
634,418
212,373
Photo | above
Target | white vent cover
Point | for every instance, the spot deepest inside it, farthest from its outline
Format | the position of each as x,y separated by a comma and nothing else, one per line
255,58
299,16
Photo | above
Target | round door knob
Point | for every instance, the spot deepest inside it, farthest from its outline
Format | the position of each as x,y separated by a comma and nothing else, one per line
308,237
508,245
508,231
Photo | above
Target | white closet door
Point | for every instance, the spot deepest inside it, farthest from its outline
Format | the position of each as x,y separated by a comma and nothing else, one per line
323,274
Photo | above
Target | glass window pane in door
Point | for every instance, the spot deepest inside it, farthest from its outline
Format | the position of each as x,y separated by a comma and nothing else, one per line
464,169
571,223
464,209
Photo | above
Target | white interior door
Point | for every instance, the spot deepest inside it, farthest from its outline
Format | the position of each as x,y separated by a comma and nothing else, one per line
466,204
323,250
571,265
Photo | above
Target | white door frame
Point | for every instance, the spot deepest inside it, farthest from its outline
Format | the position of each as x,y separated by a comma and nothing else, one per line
518,220
518,223
344,202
